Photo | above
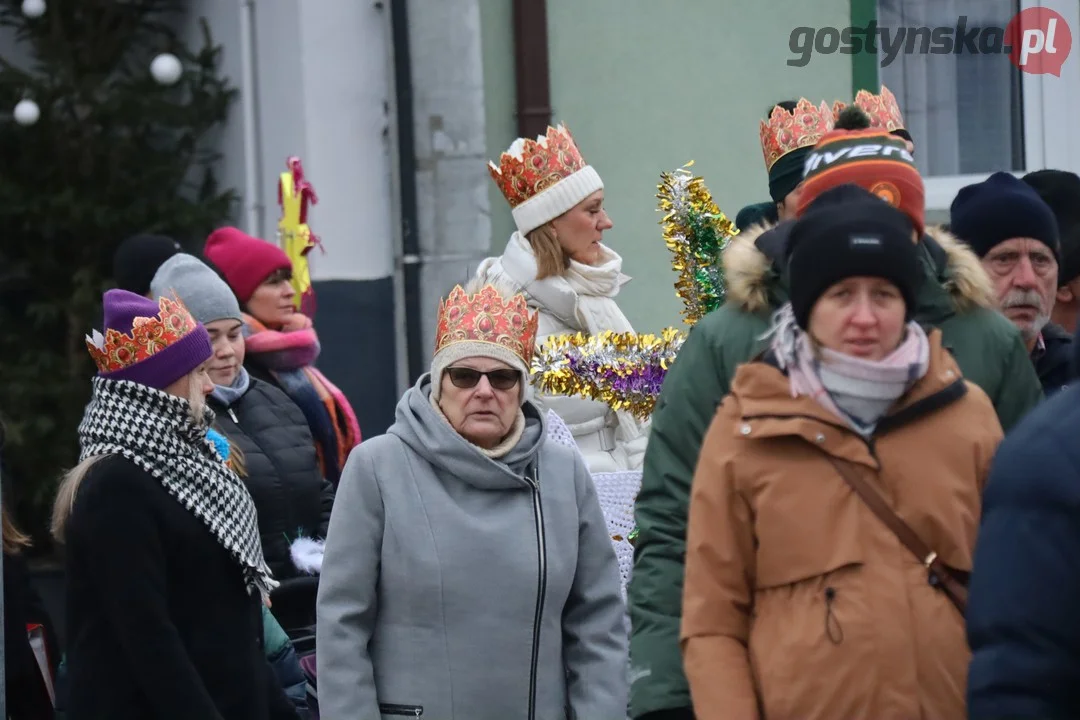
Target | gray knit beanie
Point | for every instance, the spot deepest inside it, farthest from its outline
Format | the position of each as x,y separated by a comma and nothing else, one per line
206,295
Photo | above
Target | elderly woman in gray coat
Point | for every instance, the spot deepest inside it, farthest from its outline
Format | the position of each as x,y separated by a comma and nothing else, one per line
468,573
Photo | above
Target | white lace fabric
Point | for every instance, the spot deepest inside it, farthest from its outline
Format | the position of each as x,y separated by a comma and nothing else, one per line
617,492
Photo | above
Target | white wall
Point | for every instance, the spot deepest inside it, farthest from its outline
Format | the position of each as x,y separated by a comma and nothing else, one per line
322,87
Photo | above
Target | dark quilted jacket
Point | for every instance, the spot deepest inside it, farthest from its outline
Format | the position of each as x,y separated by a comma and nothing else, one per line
290,494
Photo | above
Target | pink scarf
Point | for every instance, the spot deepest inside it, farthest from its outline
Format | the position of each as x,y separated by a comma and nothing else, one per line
855,390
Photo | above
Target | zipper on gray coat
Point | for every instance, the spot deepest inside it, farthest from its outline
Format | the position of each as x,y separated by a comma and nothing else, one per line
233,416
541,585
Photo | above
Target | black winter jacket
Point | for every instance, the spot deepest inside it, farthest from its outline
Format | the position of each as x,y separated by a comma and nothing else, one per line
282,475
160,623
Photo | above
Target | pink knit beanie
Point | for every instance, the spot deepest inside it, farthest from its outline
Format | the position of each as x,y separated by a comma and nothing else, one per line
245,261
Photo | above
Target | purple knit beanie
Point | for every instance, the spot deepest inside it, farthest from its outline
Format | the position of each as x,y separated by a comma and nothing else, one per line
150,343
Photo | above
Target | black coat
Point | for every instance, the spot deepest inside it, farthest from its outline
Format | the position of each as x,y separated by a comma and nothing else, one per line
290,494
27,696
160,623
282,470
1054,363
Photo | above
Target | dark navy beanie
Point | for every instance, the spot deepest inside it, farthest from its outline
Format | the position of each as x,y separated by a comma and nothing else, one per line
1000,208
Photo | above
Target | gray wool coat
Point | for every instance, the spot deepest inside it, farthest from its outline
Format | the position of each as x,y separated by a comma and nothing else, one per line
456,587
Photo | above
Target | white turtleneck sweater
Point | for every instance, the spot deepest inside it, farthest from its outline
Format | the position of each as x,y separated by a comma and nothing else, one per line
580,300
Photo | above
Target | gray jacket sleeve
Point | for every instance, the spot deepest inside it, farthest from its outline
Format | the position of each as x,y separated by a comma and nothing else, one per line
348,603
595,635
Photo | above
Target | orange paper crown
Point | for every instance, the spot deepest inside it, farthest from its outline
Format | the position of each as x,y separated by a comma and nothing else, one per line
115,350
786,131
488,318
530,167
883,110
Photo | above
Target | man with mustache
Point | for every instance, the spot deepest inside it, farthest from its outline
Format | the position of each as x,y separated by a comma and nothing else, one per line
1015,234
1060,189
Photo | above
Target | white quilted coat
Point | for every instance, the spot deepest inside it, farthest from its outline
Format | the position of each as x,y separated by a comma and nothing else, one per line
609,441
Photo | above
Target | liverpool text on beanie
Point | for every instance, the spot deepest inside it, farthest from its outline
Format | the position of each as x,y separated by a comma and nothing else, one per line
1000,208
872,159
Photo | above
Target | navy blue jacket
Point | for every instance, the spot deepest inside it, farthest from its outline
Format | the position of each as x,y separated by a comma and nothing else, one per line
1054,363
1023,617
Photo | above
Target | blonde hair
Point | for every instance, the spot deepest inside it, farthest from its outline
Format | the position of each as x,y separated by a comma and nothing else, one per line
14,539
551,259
69,485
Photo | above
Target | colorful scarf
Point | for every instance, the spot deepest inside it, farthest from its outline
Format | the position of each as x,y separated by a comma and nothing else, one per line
855,390
289,354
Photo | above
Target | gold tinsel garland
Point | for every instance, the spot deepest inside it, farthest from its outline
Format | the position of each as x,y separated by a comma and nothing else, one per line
624,370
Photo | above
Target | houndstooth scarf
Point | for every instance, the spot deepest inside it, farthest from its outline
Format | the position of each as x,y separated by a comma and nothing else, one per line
156,432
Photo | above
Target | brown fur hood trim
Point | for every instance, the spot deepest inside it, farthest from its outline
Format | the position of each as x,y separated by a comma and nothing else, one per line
747,271
967,284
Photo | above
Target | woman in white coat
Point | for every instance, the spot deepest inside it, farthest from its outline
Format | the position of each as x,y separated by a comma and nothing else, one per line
558,261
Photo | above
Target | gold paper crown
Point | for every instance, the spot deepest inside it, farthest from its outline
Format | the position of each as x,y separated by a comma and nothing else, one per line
883,110
786,131
115,350
488,318
530,167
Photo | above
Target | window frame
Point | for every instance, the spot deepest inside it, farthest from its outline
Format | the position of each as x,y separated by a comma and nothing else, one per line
1051,110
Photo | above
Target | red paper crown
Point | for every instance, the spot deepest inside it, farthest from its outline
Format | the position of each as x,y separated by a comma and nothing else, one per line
530,167
149,335
487,317
883,110
786,131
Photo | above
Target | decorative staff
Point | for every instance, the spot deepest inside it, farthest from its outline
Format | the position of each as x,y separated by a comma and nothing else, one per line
696,232
296,238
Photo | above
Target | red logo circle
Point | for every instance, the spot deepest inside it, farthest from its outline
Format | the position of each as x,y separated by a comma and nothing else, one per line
1039,40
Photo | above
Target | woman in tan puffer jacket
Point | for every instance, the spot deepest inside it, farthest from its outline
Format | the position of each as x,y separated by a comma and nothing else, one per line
799,601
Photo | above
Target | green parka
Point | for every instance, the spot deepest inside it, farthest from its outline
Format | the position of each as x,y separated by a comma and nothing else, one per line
956,296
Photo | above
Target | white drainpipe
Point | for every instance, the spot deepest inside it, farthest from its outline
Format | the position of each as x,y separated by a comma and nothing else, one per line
249,100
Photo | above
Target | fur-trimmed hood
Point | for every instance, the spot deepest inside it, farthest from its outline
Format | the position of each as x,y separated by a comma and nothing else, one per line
752,275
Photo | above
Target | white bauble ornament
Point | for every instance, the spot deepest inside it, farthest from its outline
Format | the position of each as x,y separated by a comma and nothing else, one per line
33,8
27,113
166,69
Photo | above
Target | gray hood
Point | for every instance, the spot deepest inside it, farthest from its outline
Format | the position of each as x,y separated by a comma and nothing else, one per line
431,437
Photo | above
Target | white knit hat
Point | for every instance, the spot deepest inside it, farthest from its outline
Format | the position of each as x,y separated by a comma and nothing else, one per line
542,179
471,349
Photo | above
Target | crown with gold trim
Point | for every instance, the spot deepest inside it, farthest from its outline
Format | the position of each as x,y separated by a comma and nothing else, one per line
530,167
115,351
786,131
883,110
543,178
487,317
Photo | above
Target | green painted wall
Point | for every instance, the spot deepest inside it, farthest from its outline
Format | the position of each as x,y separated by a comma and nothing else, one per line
646,86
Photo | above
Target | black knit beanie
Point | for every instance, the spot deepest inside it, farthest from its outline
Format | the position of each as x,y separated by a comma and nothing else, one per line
1000,208
1060,190
859,235
756,214
138,258
787,172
